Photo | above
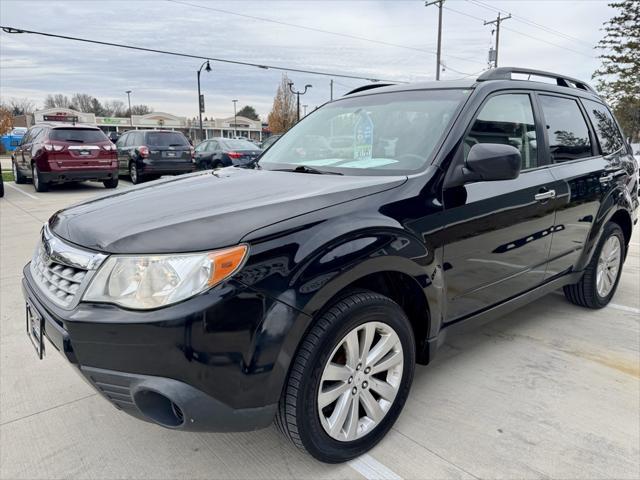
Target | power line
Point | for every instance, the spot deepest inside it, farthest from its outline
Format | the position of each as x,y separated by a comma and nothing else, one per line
7,29
319,30
521,33
532,23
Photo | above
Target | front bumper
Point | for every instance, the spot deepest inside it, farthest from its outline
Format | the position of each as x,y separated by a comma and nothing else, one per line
201,365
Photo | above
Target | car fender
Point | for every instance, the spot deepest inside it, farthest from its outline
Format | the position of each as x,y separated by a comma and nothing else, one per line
618,199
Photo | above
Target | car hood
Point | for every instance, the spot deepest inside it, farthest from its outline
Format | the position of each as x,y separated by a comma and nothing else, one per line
205,210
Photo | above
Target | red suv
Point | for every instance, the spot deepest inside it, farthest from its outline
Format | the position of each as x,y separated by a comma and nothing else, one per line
54,153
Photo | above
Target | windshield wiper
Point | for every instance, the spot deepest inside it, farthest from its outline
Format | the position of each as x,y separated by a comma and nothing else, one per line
307,169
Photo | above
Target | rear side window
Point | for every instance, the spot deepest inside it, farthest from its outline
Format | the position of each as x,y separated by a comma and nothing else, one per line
605,126
166,139
508,120
77,135
567,129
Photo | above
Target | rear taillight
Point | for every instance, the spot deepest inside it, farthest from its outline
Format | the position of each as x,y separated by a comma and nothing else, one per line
109,147
193,152
234,155
53,148
143,151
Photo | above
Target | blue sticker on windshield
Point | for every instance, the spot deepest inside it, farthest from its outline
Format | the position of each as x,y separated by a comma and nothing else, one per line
363,137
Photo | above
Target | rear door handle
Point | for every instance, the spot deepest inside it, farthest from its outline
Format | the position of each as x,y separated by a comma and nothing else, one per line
540,197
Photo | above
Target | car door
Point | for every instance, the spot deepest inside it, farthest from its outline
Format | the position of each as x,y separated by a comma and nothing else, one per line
25,150
18,152
587,157
497,234
201,154
123,157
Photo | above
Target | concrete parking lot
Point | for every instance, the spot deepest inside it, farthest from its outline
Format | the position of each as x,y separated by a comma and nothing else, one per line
551,390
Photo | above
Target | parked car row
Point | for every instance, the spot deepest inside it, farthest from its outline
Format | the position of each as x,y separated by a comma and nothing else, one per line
56,153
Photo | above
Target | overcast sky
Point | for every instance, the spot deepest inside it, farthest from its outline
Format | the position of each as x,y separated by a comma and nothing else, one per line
33,66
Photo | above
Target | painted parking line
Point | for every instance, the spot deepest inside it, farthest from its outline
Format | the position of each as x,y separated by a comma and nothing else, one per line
10,185
371,469
624,308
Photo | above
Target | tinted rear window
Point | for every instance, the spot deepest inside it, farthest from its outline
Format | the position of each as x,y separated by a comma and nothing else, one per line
77,135
166,139
239,145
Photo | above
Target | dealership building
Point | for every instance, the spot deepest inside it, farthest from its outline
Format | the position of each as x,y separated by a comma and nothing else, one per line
219,127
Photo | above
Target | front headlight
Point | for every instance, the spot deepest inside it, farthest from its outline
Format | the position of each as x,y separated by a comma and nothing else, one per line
151,281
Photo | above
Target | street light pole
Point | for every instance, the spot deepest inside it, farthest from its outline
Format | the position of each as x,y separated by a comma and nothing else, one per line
200,97
235,119
297,94
305,110
128,92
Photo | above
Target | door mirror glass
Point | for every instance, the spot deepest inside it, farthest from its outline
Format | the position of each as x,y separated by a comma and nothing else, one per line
492,161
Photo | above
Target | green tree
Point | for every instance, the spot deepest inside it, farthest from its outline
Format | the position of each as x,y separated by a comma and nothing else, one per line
618,78
248,112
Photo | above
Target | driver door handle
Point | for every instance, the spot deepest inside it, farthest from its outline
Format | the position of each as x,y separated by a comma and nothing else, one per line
546,195
606,178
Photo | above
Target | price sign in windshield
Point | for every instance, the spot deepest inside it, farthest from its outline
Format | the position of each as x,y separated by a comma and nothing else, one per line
363,138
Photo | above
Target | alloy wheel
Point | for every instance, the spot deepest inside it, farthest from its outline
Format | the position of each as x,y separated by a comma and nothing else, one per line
360,381
133,173
608,266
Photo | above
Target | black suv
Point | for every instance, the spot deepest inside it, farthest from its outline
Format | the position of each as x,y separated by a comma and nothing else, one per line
306,289
146,154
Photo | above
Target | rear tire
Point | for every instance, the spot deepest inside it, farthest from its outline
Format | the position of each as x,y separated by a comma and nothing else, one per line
39,184
600,280
218,165
134,173
111,183
323,432
18,177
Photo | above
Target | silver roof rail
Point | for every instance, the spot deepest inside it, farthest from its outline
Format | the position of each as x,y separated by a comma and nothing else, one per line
505,73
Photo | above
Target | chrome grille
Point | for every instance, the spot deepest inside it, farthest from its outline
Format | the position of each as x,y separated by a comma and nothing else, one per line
59,281
62,271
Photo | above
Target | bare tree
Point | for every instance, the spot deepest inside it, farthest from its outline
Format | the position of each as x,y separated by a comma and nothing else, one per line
141,110
21,106
283,112
115,108
57,101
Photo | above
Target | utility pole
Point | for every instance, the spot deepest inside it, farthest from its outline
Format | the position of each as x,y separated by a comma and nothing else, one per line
128,92
235,119
331,89
439,4
497,23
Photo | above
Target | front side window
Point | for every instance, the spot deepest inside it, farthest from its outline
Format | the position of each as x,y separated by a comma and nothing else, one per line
379,134
605,126
567,130
508,120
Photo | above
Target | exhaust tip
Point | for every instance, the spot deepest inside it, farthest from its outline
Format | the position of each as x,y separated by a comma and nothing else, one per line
159,408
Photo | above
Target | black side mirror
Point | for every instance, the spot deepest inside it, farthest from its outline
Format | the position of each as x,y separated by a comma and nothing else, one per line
492,161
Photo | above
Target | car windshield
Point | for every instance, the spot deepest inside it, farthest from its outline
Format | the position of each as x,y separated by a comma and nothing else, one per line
77,135
166,139
234,144
380,134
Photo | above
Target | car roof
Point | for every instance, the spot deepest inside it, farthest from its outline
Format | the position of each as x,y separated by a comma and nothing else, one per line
493,79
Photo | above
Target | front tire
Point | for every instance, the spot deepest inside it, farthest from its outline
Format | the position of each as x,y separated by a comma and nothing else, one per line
600,280
350,378
39,184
